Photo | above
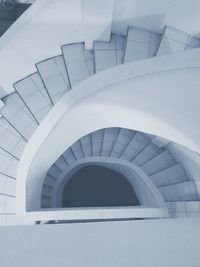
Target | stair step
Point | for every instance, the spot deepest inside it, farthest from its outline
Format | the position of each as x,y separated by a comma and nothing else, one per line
18,115
34,94
86,142
136,145
79,62
45,202
173,175
55,171
7,204
47,190
50,180
159,141
55,77
174,40
109,54
8,164
48,187
10,139
185,191
184,209
97,140
141,44
122,141
110,137
69,156
62,163
149,152
7,185
77,150
161,162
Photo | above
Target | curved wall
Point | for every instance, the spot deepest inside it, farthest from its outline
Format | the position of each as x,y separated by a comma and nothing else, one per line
146,192
118,97
48,24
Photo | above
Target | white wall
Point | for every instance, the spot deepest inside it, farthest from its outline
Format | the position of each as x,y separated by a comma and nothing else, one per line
162,102
43,28
155,14
150,243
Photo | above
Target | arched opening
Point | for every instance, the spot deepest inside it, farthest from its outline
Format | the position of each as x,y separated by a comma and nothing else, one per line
97,186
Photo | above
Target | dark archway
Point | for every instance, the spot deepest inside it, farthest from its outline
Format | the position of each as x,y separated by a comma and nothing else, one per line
96,186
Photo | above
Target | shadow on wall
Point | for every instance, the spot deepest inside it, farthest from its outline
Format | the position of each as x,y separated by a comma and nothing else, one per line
153,22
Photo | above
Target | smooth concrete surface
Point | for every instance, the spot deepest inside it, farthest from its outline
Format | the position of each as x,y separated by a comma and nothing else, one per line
97,213
37,35
49,24
97,19
149,91
44,27
150,243
189,159
154,15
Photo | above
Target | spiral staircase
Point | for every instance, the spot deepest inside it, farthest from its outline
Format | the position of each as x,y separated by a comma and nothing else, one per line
159,165
35,95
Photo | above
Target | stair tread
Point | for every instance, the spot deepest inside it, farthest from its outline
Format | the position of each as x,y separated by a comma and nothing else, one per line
123,139
160,162
109,54
18,115
7,185
86,143
136,145
55,77
10,139
141,44
149,152
77,150
97,140
34,94
172,175
174,40
185,191
79,62
8,164
69,156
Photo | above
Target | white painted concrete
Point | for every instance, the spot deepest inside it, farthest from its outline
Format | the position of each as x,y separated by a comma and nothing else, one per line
43,28
105,213
97,19
148,91
143,243
155,14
